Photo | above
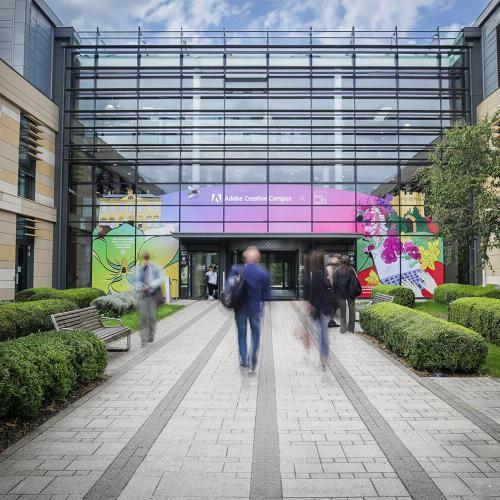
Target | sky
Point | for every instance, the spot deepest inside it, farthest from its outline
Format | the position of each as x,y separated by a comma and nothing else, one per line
259,14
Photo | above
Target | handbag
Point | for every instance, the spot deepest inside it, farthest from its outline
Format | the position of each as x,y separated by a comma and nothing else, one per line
158,296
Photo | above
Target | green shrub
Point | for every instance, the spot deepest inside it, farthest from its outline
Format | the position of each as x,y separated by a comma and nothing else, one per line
428,343
444,294
23,318
480,314
30,292
402,295
81,296
44,368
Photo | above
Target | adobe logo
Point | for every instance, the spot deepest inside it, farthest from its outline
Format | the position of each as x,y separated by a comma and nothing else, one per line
216,197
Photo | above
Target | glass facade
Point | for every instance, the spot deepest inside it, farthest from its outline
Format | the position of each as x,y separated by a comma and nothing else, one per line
256,135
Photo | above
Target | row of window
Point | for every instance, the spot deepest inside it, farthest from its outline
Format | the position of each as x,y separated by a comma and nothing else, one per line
203,173
146,57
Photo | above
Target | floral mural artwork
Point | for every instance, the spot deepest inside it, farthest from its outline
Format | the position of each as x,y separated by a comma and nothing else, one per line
398,246
116,252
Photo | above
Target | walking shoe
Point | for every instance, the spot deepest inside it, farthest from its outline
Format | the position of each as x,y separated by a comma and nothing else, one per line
332,324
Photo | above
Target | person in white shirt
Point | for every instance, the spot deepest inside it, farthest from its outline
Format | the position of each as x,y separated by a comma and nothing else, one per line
211,278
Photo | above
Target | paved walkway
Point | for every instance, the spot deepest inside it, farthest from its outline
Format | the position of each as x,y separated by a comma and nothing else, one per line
181,420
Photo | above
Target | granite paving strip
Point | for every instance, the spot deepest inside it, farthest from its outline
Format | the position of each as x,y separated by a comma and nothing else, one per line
115,478
461,393
460,457
205,450
413,476
326,449
266,475
84,442
120,363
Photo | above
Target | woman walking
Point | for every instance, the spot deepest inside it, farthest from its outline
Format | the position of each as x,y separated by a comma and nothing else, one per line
321,303
346,287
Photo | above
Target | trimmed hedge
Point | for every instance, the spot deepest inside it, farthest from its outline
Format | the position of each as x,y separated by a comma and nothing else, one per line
44,368
402,295
23,318
24,295
81,296
116,304
480,314
444,294
428,343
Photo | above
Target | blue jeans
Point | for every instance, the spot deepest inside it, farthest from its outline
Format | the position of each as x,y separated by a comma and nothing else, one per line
322,323
242,316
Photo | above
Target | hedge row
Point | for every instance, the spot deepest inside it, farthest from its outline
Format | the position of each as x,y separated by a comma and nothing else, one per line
444,294
479,314
23,318
81,296
402,295
24,295
428,343
116,304
44,368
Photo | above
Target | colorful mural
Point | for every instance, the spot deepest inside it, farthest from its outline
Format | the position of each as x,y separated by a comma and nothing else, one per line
119,241
399,245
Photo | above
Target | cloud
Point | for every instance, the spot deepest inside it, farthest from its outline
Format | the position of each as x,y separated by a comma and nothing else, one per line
247,14
325,15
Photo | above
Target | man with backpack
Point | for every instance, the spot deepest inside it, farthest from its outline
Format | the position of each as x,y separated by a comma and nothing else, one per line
247,288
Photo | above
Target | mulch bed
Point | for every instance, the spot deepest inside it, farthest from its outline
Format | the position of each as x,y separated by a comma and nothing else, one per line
13,430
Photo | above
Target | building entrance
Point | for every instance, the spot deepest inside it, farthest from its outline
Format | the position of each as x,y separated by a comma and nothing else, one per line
282,267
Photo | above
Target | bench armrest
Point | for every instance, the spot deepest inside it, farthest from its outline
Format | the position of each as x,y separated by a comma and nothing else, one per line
107,318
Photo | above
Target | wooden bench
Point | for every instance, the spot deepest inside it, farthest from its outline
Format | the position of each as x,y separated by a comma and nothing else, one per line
89,319
377,299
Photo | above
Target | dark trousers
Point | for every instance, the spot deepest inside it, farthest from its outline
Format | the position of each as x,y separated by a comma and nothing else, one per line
242,317
335,306
344,305
211,289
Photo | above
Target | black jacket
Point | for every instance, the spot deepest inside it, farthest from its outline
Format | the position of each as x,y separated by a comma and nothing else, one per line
321,296
346,284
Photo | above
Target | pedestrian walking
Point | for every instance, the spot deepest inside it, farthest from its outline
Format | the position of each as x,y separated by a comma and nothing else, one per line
320,303
211,279
346,287
333,264
148,281
255,289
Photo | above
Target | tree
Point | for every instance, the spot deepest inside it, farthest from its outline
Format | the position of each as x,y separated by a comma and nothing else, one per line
462,188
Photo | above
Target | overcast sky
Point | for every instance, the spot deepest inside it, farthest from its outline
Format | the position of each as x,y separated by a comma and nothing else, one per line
259,14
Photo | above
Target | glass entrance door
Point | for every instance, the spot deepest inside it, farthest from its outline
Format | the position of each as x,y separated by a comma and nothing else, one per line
282,267
194,265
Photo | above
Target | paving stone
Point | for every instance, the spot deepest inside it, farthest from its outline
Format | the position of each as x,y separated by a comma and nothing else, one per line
31,485
306,488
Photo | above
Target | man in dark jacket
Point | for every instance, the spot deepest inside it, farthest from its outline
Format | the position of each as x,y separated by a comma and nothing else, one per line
256,290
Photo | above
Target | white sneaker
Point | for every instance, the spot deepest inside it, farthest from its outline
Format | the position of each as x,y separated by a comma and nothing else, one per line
210,297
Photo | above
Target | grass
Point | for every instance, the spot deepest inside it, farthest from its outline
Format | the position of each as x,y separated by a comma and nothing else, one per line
131,319
441,311
493,360
432,308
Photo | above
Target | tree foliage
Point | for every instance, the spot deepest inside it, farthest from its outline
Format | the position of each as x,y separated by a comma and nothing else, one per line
462,188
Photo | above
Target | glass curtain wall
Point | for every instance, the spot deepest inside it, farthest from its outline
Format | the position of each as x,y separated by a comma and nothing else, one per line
271,137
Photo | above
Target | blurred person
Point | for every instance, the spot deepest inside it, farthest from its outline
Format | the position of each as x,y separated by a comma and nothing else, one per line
346,287
249,308
333,264
148,281
211,278
320,303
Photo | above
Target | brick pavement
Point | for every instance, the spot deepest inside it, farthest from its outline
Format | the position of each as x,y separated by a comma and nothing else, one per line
181,420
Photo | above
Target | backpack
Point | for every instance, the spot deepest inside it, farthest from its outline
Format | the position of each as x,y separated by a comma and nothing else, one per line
354,286
233,290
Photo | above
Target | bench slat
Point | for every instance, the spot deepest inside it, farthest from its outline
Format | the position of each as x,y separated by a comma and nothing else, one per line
88,318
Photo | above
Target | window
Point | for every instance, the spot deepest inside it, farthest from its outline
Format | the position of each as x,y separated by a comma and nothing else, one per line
27,157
